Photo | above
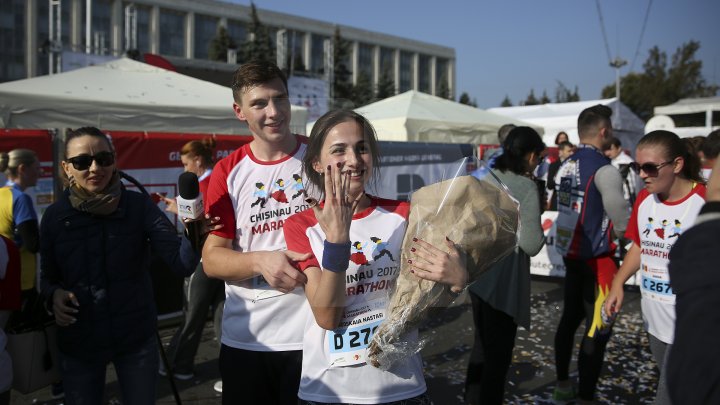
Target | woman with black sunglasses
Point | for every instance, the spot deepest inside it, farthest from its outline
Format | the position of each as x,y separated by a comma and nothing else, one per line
95,273
671,200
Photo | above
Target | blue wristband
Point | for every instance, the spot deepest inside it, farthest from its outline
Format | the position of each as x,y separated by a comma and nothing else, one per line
336,256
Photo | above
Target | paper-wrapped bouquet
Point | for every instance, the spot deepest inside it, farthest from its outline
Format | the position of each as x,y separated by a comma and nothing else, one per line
479,216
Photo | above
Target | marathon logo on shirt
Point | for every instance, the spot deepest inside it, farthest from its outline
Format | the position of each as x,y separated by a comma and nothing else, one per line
283,193
662,233
368,279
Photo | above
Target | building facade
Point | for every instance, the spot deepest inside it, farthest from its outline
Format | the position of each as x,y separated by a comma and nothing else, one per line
34,32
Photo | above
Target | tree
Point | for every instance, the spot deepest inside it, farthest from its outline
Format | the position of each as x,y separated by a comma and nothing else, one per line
362,92
660,84
544,99
464,99
443,89
563,94
506,102
258,45
342,83
217,50
531,100
385,86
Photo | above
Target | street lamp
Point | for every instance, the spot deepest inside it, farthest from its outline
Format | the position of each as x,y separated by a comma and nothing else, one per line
617,63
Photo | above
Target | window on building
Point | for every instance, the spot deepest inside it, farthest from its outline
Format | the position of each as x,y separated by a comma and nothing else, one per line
365,61
12,40
296,46
205,31
387,61
442,76
406,71
172,33
143,28
424,74
100,28
317,53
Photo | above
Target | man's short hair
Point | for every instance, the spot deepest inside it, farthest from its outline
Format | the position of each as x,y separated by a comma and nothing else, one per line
255,73
504,131
711,146
592,119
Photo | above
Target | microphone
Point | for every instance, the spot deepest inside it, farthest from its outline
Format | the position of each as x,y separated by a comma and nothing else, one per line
191,210
189,202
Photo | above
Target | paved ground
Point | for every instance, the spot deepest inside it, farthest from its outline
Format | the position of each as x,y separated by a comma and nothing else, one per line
630,374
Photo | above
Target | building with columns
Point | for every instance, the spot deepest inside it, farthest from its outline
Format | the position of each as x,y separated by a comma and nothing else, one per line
33,32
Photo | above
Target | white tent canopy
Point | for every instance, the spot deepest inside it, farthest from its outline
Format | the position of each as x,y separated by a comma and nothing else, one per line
124,95
627,126
418,117
690,106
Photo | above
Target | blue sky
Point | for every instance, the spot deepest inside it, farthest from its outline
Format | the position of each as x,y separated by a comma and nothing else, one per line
511,46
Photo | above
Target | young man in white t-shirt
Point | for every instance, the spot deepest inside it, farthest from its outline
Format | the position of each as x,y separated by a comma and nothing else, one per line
265,308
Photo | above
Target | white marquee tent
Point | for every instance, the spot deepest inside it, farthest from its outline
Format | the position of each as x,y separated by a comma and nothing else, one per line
124,95
662,120
627,126
419,117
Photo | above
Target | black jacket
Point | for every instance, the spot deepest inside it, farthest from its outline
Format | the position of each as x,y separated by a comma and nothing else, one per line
104,261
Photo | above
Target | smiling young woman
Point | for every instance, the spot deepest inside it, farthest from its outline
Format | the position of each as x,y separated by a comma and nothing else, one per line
673,195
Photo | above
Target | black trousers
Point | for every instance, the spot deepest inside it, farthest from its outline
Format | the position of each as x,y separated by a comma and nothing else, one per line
491,354
579,303
262,378
201,293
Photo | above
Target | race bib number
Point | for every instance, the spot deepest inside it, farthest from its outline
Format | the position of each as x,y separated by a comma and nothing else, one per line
347,347
656,285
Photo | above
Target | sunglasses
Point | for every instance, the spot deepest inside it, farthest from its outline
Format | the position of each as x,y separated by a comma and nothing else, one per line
650,169
83,162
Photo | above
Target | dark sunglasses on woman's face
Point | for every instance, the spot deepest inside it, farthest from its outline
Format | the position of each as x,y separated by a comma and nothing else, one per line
651,169
83,162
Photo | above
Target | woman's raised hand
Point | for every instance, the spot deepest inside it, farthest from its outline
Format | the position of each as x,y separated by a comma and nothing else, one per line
336,215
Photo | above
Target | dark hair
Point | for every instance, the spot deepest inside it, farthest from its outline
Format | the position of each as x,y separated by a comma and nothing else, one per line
504,131
255,73
317,138
711,147
87,131
519,142
591,118
674,147
610,142
558,137
202,149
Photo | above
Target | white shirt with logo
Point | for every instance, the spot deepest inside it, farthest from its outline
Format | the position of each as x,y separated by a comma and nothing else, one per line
655,226
253,198
334,368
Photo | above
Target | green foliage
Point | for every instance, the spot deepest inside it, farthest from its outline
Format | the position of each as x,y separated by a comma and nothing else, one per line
506,102
342,82
362,92
259,45
531,99
385,86
660,84
563,94
465,99
217,50
544,99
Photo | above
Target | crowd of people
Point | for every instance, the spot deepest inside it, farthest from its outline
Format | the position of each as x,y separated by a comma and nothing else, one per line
295,322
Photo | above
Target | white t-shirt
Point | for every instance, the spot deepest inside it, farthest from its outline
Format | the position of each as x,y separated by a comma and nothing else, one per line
253,198
655,226
334,368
